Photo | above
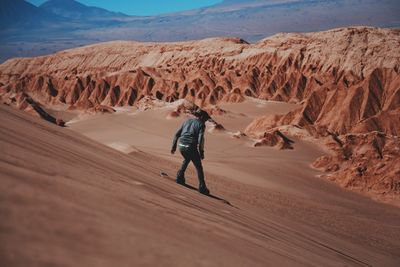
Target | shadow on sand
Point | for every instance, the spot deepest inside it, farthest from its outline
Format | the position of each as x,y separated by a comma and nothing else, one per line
165,175
43,114
209,195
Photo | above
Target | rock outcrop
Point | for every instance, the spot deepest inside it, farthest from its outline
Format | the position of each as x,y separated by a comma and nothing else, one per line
275,139
346,80
368,162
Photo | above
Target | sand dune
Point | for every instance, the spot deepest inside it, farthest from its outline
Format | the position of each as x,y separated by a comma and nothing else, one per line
70,201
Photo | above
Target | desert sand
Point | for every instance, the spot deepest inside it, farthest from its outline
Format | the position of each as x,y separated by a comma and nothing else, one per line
302,155
68,200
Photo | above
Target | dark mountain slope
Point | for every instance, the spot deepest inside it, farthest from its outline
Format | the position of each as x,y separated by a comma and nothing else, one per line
75,10
19,13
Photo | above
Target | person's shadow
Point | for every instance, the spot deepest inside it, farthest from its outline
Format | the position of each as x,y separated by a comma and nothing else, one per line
165,175
209,195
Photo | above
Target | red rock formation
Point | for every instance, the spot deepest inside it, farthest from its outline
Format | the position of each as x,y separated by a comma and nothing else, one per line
275,139
347,80
101,109
368,162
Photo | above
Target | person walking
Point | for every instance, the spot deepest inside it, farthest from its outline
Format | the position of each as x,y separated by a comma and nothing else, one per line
191,146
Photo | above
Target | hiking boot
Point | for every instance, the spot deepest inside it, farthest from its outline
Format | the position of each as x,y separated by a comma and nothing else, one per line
204,190
180,181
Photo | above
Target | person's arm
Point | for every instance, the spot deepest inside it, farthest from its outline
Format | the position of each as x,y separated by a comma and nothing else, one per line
175,141
201,141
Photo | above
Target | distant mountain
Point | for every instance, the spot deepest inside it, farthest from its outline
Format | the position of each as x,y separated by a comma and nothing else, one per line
71,24
19,13
74,10
253,20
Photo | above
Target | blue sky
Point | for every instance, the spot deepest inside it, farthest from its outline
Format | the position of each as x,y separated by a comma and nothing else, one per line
143,7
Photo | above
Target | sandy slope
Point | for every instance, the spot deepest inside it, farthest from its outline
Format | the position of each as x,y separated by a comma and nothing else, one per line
69,201
274,193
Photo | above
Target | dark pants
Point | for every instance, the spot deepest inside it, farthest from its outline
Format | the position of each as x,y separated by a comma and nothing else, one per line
191,154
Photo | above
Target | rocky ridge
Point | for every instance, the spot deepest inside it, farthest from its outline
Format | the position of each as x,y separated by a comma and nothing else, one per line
346,80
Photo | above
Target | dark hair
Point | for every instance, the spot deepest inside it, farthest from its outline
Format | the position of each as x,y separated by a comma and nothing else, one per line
202,115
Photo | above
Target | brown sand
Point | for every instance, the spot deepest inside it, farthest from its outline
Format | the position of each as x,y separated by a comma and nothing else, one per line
69,201
262,180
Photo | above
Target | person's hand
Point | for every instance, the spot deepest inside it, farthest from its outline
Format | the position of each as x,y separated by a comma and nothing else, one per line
202,154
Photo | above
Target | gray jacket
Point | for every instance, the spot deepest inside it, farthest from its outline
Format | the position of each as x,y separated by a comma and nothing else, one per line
191,133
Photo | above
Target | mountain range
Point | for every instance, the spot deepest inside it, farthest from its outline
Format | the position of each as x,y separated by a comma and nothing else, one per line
27,30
